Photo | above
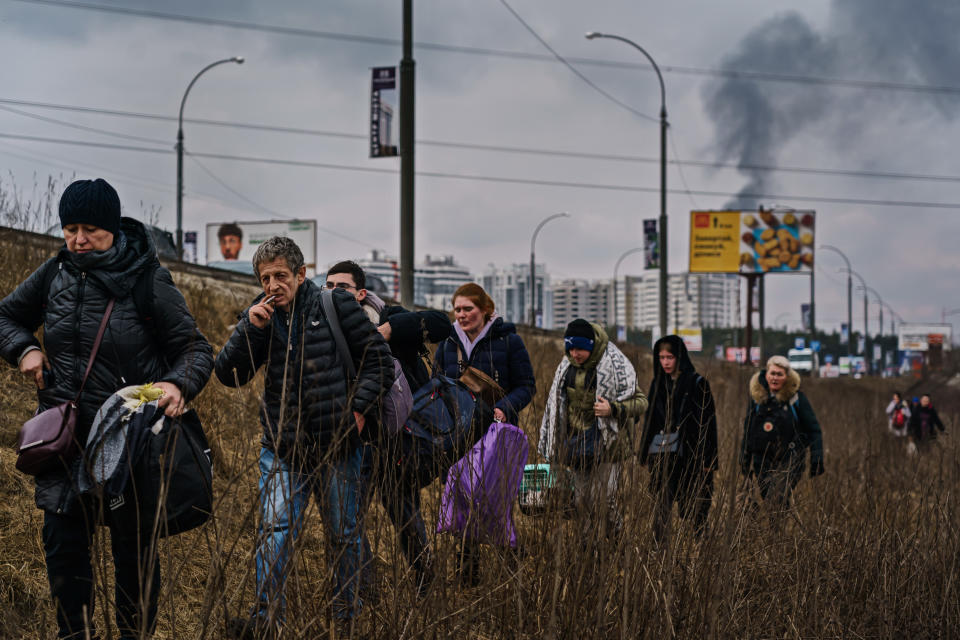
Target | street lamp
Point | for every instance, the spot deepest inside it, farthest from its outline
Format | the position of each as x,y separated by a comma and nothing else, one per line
879,305
590,35
849,296
533,266
616,268
238,60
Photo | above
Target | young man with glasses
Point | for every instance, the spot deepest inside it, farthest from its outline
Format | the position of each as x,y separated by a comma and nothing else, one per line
406,332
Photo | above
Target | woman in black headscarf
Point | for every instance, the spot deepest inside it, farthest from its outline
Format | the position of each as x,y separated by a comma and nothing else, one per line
679,444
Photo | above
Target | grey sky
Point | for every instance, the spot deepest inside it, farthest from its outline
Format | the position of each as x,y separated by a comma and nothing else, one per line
97,59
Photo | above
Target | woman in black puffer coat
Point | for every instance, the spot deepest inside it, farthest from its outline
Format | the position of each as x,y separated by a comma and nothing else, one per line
105,257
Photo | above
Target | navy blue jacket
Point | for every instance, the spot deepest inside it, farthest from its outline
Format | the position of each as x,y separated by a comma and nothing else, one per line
501,355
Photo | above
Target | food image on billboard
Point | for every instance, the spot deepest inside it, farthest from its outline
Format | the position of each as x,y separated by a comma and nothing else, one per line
752,241
231,245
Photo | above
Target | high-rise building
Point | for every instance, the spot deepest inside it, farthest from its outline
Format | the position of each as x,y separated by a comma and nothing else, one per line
574,299
694,300
509,288
435,279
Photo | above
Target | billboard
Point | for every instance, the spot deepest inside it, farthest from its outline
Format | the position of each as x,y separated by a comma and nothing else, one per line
919,337
752,241
692,338
231,245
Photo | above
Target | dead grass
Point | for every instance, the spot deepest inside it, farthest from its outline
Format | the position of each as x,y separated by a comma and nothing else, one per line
870,549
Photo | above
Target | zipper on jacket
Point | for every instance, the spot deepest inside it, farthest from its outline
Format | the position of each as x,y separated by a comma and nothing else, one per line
78,357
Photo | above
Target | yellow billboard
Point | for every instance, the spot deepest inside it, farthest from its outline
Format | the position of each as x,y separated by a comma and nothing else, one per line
779,241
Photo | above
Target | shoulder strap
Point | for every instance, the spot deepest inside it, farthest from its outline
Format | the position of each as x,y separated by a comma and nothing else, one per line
143,298
330,311
96,346
50,270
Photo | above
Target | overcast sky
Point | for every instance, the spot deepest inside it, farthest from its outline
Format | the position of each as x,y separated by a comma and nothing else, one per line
889,107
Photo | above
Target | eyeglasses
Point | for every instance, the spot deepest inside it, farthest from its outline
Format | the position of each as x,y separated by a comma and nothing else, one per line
339,285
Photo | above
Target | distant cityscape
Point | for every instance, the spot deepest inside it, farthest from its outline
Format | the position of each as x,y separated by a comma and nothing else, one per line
694,299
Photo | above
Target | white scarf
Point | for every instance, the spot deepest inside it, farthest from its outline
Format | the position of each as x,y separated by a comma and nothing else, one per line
469,344
616,378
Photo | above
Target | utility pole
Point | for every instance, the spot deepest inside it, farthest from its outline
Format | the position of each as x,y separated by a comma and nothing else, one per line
407,102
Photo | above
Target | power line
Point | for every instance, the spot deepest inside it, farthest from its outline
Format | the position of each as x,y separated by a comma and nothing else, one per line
81,127
583,155
760,76
573,69
269,211
501,179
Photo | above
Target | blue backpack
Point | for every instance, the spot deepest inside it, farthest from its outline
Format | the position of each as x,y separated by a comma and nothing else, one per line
445,421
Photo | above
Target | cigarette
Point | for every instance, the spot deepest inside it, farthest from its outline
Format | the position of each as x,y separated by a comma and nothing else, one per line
268,300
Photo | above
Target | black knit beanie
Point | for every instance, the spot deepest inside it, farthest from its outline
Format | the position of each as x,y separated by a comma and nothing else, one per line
579,335
92,202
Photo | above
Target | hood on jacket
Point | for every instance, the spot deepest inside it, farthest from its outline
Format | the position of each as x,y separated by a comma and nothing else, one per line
760,390
684,364
600,340
117,268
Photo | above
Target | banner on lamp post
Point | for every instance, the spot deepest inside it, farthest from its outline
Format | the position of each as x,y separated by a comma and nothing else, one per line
651,244
382,109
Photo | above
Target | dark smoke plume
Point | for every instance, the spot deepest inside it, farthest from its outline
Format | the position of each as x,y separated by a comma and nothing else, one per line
878,40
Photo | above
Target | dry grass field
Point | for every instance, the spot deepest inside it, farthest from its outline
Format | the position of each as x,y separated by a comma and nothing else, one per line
870,550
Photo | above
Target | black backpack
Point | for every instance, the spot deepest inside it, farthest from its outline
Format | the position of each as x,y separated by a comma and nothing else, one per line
772,431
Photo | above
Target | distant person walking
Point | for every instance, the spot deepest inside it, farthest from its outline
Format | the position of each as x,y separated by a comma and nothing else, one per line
779,427
924,423
679,443
898,415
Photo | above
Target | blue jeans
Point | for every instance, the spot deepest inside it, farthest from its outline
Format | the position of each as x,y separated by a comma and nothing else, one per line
339,487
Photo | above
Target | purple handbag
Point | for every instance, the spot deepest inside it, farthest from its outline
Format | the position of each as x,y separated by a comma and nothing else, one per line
482,487
47,440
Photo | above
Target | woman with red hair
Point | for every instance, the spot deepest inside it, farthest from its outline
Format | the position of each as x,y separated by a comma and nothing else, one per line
484,341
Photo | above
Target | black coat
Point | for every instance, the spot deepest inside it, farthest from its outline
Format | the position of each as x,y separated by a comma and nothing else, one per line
692,407
409,331
924,415
501,355
305,406
129,353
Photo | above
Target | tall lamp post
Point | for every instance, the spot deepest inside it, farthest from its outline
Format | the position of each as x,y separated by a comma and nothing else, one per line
866,317
238,60
533,265
616,269
880,308
590,35
849,296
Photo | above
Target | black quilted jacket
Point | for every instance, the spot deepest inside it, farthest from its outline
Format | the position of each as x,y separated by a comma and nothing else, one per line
306,408
70,313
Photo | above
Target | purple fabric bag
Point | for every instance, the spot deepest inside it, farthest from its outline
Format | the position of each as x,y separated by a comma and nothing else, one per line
482,487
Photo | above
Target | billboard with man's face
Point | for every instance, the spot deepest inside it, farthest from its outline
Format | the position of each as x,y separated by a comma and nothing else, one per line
231,245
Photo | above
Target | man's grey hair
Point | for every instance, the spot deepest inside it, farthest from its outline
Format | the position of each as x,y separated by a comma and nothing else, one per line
278,247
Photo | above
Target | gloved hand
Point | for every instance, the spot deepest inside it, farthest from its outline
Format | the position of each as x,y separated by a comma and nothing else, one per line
744,464
816,468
